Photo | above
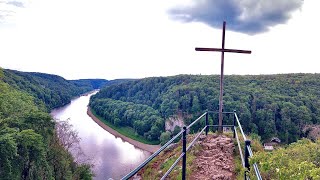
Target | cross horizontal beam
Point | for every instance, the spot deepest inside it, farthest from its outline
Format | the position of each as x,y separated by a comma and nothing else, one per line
223,50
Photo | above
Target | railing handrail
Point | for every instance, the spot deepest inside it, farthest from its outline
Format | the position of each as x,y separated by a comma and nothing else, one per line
240,151
172,166
133,172
255,166
195,139
195,121
240,127
216,112
248,150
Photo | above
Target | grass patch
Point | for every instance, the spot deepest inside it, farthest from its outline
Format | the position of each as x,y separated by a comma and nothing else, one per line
126,131
161,164
256,146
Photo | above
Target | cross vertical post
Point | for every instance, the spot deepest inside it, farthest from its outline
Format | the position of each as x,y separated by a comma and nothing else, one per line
221,78
222,50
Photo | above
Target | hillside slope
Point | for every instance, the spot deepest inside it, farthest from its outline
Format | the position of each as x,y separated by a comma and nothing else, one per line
29,145
268,105
53,90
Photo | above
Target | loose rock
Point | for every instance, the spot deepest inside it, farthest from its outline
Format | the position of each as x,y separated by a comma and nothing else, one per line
215,159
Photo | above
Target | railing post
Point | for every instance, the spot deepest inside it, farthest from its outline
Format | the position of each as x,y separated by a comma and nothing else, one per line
184,150
207,124
234,123
246,156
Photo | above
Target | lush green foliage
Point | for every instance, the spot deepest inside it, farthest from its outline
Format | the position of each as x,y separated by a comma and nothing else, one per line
53,90
268,105
256,146
90,84
300,160
161,163
145,120
126,131
29,147
165,137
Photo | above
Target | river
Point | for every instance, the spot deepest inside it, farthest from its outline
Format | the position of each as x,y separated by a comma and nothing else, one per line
111,156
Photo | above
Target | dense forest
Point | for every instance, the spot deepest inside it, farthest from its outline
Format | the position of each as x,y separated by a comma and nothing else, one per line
29,145
268,105
53,90
286,106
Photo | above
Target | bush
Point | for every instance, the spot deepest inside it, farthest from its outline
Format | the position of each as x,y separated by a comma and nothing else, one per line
165,137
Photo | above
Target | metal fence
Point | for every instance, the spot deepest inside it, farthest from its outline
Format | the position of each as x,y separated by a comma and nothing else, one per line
236,125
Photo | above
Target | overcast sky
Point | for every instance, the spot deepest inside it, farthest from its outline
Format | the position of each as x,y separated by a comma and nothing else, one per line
133,39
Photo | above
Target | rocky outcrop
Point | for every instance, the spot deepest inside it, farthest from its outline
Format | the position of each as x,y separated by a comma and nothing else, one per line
174,121
215,158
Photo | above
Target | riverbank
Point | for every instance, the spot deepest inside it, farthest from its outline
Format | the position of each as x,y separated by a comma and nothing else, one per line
146,147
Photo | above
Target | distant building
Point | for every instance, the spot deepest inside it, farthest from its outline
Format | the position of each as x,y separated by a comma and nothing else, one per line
227,129
276,140
269,146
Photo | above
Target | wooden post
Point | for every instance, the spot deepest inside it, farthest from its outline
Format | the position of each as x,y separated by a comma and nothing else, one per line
222,50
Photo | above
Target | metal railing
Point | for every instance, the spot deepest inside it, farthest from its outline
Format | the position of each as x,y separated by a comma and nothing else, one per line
183,155
247,149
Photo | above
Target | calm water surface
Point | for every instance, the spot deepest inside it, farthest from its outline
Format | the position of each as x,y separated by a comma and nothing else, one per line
111,156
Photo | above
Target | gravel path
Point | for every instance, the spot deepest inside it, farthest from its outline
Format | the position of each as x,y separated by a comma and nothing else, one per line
215,158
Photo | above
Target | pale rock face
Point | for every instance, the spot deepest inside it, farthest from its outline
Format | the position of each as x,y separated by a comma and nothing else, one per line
171,122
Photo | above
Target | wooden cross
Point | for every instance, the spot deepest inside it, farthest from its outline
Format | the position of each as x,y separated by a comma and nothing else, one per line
222,50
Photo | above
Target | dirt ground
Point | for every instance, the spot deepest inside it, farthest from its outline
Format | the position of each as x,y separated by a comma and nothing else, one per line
215,158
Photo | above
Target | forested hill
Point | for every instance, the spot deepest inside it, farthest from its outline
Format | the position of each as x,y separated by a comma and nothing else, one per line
53,90
268,105
90,84
29,145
